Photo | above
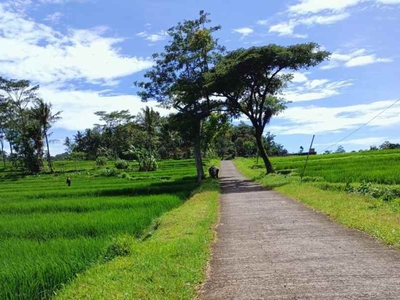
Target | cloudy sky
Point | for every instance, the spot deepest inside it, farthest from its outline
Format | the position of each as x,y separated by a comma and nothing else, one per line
85,54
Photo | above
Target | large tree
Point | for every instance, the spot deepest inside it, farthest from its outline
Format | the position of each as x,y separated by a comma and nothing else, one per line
24,133
251,81
177,80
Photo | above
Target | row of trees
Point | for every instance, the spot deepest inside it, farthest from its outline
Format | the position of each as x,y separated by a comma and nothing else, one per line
385,146
25,121
197,76
165,137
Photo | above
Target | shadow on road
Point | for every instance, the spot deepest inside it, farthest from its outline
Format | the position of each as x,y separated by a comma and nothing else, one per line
244,186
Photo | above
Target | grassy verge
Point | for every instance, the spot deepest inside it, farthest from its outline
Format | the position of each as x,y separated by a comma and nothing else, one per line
168,264
378,218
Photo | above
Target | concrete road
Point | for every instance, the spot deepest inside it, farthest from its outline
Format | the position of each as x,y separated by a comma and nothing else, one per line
271,247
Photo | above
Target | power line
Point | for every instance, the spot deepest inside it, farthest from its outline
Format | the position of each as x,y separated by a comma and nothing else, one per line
390,106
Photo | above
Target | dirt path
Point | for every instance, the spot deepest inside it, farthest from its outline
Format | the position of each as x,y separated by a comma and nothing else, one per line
271,247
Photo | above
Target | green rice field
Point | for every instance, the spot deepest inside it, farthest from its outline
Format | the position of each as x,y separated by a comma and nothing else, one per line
380,167
50,233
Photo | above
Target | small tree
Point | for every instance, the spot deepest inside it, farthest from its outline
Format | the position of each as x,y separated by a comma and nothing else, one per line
42,112
340,149
145,157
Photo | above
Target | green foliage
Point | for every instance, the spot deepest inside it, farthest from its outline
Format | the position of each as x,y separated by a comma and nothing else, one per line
120,246
121,164
49,232
101,161
27,120
124,175
146,158
177,77
368,189
251,80
110,172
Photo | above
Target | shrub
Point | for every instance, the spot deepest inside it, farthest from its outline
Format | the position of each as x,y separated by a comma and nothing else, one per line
146,158
119,247
124,175
110,173
121,164
101,161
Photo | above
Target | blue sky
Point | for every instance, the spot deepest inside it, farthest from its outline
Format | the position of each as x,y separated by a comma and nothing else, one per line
85,54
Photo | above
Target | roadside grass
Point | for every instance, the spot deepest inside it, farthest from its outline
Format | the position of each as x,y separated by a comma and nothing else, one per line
376,217
168,263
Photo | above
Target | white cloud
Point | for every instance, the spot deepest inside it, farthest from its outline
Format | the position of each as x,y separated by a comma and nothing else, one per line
54,18
78,107
389,1
317,120
262,22
365,60
316,6
299,77
324,20
36,52
356,58
287,28
244,31
316,83
60,1
312,90
153,37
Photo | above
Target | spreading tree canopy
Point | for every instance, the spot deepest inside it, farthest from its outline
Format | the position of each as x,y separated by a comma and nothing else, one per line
251,80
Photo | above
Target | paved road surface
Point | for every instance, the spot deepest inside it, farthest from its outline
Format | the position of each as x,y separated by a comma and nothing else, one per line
271,247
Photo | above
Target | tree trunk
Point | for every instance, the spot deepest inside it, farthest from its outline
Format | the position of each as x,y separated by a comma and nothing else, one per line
261,149
2,153
197,152
48,153
11,155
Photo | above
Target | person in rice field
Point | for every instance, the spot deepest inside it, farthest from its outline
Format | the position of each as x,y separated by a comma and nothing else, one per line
68,181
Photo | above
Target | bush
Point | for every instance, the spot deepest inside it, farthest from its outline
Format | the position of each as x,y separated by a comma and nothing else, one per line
123,175
120,246
110,173
101,161
121,164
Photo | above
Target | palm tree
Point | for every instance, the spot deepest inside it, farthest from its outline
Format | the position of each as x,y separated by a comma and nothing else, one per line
43,114
149,120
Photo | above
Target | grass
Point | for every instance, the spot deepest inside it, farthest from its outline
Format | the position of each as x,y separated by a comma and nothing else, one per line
381,167
51,233
169,264
376,217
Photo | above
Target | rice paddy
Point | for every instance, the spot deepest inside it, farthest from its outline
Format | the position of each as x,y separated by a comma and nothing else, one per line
51,232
